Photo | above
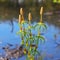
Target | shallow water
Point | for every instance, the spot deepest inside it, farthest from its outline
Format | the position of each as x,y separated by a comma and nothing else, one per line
50,49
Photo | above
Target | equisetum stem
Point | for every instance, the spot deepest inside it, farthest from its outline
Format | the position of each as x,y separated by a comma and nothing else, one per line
41,18
41,12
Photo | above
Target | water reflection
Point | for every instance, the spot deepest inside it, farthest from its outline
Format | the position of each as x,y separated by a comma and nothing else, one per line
50,45
10,13
12,25
9,27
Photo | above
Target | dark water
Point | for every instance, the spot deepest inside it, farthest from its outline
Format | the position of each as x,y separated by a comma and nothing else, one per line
9,27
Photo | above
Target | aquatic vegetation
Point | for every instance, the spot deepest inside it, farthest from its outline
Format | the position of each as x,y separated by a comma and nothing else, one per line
30,40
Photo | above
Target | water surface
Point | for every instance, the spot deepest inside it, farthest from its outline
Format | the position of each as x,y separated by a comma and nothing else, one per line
9,27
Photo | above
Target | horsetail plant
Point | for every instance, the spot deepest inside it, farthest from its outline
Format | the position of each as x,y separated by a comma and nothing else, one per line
30,41
41,26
